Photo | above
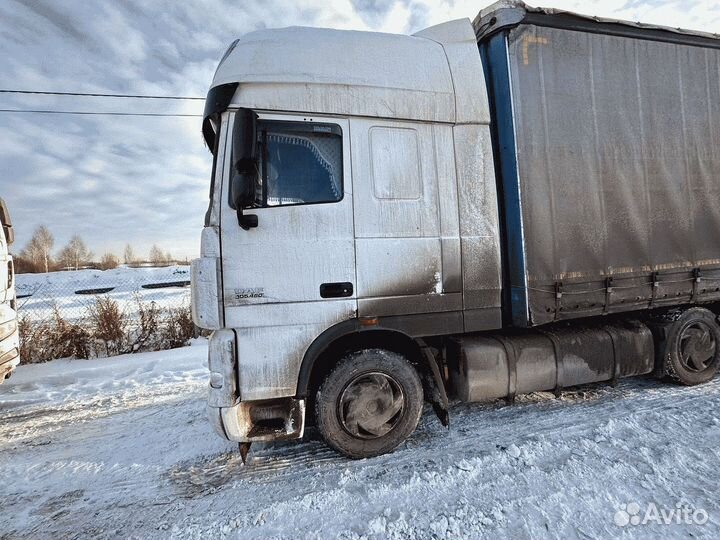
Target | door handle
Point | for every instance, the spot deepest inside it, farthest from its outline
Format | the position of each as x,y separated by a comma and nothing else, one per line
336,290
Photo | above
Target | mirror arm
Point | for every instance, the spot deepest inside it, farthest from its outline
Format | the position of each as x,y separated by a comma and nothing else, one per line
246,221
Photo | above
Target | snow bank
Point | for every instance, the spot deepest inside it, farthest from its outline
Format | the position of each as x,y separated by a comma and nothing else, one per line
71,380
27,283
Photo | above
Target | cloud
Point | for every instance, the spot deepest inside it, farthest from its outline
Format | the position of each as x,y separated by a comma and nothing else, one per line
145,180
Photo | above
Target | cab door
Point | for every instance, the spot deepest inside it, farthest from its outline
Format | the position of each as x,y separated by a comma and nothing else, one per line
406,225
291,277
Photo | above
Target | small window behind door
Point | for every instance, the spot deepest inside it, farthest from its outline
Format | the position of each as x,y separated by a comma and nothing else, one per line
395,163
301,163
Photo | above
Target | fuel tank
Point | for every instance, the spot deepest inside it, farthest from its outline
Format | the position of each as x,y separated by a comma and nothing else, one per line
490,366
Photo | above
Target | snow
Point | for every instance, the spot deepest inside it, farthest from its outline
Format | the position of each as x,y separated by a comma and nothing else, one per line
121,447
91,278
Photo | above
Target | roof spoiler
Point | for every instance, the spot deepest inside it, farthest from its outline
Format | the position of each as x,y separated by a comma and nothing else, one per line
6,223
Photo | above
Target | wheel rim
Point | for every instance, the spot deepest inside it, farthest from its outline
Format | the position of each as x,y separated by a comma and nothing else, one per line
697,347
371,405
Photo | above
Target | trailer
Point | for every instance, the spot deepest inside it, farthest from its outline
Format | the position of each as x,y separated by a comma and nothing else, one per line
606,136
522,203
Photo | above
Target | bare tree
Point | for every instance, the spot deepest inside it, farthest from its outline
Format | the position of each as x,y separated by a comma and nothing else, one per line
75,253
39,248
109,261
129,254
156,255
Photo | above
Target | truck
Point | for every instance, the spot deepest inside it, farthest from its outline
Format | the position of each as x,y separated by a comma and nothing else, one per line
526,202
9,336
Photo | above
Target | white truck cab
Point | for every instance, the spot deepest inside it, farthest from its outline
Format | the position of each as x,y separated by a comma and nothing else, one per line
9,341
349,227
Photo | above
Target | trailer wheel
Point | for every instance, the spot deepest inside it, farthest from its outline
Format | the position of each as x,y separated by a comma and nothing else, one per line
691,352
369,403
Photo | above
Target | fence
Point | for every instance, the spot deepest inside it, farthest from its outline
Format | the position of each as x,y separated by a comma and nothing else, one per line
88,313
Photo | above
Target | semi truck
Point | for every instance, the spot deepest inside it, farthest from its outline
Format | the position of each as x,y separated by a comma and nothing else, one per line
525,202
9,340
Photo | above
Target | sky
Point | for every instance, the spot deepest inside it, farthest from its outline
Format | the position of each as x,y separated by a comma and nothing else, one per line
144,180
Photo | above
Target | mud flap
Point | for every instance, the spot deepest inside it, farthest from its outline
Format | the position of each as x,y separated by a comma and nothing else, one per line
435,387
244,449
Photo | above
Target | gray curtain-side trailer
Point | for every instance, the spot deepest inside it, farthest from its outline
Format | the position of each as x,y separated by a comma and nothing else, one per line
607,142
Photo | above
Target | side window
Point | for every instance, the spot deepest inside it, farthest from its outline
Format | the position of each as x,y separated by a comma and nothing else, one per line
395,163
300,163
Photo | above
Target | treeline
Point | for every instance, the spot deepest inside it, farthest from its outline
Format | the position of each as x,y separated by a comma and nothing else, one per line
39,255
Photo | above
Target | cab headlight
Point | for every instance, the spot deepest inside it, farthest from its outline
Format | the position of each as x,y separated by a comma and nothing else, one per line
7,328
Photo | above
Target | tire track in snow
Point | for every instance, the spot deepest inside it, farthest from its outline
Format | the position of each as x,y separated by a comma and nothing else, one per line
437,469
50,417
148,466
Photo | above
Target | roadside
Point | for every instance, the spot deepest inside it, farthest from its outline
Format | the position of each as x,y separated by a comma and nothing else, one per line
121,447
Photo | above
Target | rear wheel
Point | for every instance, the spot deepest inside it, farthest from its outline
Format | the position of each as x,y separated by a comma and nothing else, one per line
369,403
691,353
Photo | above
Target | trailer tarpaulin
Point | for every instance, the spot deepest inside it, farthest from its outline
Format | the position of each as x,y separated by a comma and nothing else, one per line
618,169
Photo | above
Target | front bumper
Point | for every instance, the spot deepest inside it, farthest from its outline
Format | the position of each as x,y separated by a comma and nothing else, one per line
10,344
246,421
8,362
260,421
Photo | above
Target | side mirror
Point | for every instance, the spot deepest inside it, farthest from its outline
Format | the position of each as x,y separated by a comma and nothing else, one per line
10,234
244,169
6,223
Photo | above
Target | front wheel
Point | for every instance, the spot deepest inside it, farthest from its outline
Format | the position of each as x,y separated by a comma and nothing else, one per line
369,403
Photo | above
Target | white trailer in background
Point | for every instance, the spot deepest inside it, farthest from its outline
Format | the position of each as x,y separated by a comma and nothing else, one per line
523,203
9,341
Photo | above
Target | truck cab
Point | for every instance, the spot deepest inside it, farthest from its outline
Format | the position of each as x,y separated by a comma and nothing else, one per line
9,341
334,217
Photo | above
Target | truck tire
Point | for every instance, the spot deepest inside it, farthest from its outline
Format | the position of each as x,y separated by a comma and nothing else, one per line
691,353
369,403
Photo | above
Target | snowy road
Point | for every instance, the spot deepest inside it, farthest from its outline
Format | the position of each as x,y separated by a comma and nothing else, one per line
121,448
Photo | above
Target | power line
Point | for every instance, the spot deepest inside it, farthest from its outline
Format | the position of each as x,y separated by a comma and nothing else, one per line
93,113
89,94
